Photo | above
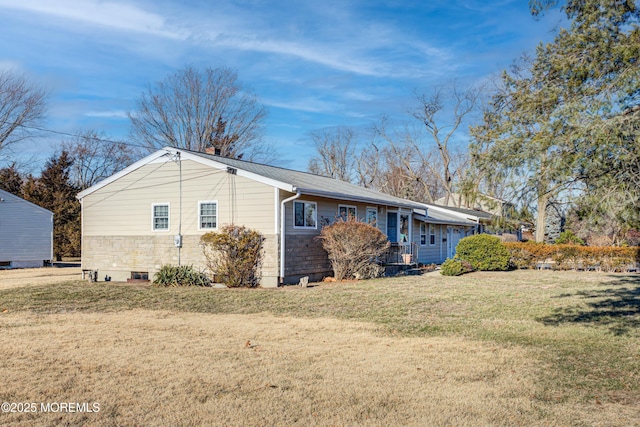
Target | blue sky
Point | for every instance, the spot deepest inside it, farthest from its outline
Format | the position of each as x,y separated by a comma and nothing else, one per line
313,64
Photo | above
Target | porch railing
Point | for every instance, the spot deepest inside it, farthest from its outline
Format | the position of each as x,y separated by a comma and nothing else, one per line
401,254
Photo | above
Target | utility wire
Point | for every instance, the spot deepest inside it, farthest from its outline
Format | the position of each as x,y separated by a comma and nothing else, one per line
75,135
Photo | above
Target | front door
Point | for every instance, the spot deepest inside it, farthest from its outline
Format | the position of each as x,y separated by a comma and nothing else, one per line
453,237
392,227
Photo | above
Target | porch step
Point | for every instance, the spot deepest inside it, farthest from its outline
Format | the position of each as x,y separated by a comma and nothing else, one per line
414,272
402,269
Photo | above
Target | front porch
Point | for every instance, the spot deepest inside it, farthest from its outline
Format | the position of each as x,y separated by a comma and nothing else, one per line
401,254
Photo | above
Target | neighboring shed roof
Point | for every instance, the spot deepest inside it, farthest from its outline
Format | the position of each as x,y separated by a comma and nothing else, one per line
8,198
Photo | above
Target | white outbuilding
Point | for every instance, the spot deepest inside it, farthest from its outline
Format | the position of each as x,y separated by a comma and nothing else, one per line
26,233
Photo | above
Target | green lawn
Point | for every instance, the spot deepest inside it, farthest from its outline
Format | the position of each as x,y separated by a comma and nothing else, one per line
583,327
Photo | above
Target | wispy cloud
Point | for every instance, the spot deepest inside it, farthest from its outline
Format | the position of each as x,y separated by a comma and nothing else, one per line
314,63
308,105
373,49
10,65
114,114
117,16
305,51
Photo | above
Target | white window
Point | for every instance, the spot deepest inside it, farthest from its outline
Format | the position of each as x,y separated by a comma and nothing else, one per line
304,214
160,216
207,215
423,233
347,212
432,234
372,216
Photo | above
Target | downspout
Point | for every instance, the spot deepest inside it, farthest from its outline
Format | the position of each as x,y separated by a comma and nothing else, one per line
282,227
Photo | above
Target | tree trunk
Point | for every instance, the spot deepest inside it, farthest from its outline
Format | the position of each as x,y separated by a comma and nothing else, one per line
543,200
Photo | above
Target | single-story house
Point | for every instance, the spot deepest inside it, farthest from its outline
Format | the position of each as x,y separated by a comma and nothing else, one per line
153,213
444,230
26,233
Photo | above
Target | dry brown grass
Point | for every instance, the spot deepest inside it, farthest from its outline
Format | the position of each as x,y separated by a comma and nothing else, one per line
37,276
466,352
163,368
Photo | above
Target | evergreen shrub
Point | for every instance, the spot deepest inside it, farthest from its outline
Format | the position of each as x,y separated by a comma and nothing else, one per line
484,252
455,267
568,238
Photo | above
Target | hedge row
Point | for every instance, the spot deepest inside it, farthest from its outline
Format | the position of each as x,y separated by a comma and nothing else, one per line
573,257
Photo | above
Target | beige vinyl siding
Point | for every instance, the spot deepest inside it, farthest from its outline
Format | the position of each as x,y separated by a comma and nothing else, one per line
117,219
124,207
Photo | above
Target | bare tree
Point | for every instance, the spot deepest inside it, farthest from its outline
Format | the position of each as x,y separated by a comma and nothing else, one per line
199,110
335,153
411,170
442,113
22,104
96,157
369,166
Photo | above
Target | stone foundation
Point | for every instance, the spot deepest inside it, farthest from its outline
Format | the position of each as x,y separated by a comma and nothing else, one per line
118,256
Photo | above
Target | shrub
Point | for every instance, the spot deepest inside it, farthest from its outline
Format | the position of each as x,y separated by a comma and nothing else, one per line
484,252
455,267
567,258
234,255
606,258
184,275
568,238
354,247
529,254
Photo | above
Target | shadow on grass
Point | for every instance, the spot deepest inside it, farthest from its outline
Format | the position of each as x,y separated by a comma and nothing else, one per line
617,307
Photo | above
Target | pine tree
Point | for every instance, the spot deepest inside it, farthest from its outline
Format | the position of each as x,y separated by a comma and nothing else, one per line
561,118
55,192
11,180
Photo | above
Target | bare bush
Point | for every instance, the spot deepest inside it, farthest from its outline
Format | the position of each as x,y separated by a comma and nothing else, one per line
354,247
234,255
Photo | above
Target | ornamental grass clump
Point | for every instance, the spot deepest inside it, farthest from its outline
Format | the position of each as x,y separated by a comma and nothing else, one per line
184,275
354,248
234,255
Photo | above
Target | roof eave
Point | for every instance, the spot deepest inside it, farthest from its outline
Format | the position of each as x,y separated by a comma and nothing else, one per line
145,160
240,172
351,198
462,215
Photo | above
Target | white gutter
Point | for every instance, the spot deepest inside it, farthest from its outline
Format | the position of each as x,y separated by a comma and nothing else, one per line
401,203
282,226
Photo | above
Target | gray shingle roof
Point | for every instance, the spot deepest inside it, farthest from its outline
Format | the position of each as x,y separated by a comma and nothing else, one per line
473,212
310,184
